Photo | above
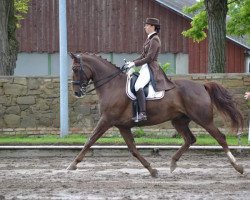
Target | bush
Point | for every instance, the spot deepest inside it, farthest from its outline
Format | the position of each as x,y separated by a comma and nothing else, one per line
139,133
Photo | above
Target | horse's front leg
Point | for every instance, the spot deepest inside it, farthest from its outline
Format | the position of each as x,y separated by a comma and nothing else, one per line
129,139
100,129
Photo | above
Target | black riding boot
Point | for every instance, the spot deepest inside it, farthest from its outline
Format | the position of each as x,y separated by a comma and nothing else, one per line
141,99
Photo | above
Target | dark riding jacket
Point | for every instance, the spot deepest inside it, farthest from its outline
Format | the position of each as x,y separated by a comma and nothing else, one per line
151,49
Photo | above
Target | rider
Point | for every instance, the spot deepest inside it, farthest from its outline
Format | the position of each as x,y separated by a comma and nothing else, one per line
150,68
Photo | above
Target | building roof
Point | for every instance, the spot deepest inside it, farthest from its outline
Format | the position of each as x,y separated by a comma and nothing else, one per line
178,5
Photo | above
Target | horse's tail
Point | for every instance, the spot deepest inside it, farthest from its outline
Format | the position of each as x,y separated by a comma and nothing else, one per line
225,104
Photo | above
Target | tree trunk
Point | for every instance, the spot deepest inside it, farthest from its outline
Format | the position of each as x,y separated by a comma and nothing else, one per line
8,42
217,12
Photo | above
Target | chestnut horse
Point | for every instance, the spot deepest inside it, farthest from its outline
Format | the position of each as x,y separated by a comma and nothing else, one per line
187,101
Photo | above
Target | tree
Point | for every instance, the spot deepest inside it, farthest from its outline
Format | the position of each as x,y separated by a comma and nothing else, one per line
211,15
11,11
216,15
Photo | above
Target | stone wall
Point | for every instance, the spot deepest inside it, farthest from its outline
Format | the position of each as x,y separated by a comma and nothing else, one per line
31,104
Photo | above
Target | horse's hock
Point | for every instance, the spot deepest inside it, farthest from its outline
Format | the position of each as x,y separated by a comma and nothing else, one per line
31,104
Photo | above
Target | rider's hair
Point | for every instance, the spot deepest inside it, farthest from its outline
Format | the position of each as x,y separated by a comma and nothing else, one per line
157,29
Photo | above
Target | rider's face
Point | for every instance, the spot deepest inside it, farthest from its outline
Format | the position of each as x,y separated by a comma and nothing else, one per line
149,28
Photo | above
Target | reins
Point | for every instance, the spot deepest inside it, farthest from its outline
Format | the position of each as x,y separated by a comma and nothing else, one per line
109,77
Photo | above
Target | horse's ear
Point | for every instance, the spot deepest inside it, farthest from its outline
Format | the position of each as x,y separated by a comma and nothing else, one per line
73,56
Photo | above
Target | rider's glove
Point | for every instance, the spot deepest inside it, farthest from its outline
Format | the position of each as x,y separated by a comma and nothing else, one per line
130,64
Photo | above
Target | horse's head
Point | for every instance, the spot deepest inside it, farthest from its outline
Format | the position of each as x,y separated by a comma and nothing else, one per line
81,75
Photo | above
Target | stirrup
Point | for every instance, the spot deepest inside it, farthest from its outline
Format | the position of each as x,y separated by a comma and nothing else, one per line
141,117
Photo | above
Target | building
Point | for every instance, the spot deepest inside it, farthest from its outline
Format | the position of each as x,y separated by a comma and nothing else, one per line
114,29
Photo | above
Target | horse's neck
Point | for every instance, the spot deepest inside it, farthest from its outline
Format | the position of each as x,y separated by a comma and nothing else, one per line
107,76
111,90
101,69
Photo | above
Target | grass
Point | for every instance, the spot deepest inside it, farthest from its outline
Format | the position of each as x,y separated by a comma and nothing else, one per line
77,139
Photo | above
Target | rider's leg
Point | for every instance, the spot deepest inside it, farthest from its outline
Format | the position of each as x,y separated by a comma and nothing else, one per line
142,80
141,99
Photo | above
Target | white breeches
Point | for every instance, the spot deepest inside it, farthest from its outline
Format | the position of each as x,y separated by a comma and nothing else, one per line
143,78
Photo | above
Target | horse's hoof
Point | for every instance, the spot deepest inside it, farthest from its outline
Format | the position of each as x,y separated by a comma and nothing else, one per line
239,168
154,173
71,167
173,166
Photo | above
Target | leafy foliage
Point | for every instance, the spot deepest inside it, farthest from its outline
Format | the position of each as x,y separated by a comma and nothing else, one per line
238,19
199,22
21,8
139,133
198,25
165,67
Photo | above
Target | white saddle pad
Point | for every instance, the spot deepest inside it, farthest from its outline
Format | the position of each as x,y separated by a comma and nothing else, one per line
152,94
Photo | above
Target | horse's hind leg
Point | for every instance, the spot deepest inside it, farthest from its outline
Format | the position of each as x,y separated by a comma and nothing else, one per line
181,125
221,139
129,139
100,129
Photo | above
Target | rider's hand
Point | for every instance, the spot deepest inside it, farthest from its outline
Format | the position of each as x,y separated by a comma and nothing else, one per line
130,64
130,72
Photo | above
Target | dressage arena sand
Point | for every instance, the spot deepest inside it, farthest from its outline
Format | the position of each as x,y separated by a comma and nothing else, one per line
200,175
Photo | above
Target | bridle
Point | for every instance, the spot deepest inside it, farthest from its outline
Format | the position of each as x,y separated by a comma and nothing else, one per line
84,83
81,83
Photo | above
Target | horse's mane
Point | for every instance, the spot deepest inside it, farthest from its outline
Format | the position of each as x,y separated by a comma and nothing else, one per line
103,60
